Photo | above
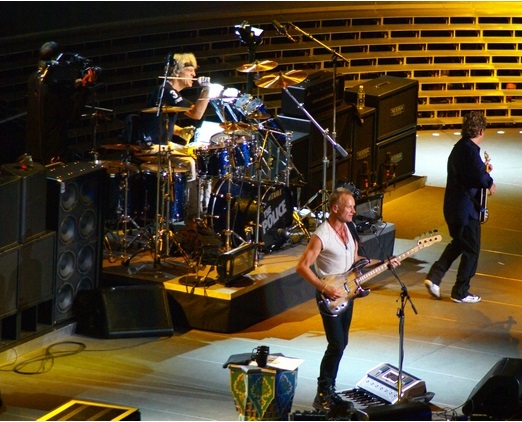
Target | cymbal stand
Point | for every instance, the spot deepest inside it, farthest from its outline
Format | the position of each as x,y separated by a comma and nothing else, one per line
259,170
125,219
326,137
288,156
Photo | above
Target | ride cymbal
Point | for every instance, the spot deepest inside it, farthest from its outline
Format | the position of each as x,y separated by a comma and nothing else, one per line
257,66
282,80
166,109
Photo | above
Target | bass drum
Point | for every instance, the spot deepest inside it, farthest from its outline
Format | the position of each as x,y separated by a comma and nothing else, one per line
274,218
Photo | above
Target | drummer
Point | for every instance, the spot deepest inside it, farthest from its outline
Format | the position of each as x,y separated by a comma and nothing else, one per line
181,75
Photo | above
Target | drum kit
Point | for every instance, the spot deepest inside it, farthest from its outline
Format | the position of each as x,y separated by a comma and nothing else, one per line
237,194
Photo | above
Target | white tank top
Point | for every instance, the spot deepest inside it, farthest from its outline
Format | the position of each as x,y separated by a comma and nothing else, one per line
335,258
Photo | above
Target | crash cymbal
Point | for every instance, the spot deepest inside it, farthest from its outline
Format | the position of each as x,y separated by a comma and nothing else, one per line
257,66
258,115
166,109
282,80
121,147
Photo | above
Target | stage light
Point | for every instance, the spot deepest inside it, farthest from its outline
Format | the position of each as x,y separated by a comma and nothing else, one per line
248,34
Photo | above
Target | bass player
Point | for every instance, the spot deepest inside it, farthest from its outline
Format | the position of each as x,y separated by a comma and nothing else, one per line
333,249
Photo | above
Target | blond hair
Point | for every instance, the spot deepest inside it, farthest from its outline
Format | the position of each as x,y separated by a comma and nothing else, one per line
182,60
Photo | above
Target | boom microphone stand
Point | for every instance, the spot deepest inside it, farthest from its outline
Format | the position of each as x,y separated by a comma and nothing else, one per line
326,137
400,313
335,56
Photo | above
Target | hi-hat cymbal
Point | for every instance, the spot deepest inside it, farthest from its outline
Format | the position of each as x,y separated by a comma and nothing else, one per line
166,109
232,126
257,66
121,147
282,80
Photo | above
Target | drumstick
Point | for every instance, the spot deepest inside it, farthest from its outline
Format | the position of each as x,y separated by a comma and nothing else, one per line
178,77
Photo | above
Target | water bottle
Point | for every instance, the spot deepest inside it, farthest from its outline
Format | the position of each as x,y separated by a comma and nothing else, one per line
361,97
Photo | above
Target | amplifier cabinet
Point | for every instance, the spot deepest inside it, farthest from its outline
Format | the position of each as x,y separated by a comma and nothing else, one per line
395,157
395,100
315,94
9,210
363,122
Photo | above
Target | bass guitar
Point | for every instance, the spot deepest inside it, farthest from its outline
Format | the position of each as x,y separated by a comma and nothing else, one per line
483,203
352,280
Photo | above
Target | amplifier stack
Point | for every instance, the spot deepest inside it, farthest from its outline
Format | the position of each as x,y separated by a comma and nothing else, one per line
394,102
380,138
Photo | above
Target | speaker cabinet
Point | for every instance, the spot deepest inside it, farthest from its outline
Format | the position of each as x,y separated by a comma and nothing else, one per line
10,202
343,136
75,194
36,270
32,198
124,311
499,393
363,136
9,281
315,94
395,100
395,157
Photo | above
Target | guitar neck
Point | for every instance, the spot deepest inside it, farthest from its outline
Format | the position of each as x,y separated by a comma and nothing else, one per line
383,267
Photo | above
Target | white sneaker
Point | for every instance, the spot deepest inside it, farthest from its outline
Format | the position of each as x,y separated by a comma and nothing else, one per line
468,299
433,289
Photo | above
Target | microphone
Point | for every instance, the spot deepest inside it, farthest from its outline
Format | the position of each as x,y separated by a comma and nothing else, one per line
281,30
82,59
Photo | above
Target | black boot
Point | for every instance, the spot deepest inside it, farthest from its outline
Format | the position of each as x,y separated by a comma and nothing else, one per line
328,400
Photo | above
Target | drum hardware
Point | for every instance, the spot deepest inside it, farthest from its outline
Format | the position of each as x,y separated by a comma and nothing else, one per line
257,66
123,169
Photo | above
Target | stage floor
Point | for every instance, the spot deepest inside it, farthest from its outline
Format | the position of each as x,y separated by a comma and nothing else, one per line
450,346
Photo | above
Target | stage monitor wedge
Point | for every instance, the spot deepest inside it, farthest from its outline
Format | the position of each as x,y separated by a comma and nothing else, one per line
499,393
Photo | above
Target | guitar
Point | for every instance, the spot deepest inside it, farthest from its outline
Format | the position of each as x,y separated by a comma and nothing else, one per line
483,203
352,280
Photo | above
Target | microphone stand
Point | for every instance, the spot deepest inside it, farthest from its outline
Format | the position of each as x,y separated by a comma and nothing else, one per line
335,56
405,297
326,137
166,128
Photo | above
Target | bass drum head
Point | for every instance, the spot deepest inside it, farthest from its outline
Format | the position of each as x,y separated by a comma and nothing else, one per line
274,218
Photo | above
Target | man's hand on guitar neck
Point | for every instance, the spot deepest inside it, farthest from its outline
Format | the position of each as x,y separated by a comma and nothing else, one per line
492,189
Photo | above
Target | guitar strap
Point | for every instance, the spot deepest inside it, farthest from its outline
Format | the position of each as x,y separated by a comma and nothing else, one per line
355,235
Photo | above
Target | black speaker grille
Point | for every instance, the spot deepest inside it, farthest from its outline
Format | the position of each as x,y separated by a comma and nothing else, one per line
75,209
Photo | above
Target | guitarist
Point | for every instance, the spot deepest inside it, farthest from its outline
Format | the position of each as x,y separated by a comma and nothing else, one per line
333,249
467,176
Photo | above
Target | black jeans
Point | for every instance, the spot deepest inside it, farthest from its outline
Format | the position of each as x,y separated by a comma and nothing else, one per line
336,329
466,242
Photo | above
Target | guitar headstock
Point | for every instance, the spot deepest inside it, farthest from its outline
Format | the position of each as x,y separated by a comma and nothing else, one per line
430,239
486,162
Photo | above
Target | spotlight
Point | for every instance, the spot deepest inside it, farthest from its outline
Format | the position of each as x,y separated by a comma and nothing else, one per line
248,34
